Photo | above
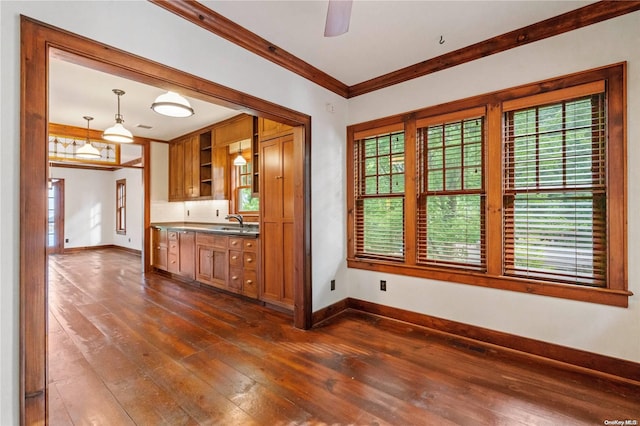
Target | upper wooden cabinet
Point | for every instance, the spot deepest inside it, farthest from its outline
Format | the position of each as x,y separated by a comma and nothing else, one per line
199,162
269,128
233,130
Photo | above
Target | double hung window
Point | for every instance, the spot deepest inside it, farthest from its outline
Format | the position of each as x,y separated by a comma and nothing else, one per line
522,189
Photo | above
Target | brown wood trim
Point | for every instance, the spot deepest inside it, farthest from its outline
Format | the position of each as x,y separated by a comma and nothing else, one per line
596,363
133,163
95,134
146,220
79,165
602,296
206,18
330,311
71,250
573,20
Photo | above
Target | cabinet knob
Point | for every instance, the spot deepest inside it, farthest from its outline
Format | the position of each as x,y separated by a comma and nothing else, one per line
249,260
234,277
234,257
278,177
173,261
234,243
249,244
249,282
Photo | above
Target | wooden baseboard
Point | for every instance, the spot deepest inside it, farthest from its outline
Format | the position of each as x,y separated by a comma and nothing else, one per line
102,247
592,362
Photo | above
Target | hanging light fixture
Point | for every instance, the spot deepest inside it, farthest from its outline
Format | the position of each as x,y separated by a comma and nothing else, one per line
87,150
172,105
117,132
239,160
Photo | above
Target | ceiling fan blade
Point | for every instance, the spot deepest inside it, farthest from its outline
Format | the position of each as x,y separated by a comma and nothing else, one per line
338,16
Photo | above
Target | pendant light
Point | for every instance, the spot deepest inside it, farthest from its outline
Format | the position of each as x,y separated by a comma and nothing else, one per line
239,161
87,150
172,105
117,132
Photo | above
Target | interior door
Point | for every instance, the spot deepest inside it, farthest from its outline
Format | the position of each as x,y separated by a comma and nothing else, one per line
55,216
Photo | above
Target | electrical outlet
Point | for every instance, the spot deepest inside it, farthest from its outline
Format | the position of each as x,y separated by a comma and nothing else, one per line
217,212
333,285
66,240
383,285
187,212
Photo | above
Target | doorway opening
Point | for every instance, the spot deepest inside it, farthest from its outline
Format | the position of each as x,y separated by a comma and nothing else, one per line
38,41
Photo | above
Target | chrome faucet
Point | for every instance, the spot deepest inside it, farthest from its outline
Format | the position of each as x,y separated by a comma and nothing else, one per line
237,217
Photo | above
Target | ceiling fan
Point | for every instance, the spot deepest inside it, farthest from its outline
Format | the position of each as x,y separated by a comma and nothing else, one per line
338,16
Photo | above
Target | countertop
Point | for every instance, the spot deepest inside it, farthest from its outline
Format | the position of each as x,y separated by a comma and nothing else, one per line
248,230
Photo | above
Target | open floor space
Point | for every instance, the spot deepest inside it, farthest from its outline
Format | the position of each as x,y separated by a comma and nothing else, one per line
125,349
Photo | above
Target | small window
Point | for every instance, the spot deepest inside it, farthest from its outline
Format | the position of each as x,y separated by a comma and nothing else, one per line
244,201
121,206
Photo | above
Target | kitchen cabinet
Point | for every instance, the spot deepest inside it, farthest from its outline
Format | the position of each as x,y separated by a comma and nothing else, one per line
243,266
181,253
195,167
277,221
159,258
233,130
268,129
228,262
211,259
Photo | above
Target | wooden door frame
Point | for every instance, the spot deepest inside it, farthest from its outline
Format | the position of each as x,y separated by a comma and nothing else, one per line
38,42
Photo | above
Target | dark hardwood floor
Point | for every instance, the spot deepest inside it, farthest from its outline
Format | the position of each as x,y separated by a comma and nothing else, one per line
124,349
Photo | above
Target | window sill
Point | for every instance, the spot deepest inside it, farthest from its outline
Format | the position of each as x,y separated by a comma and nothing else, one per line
602,296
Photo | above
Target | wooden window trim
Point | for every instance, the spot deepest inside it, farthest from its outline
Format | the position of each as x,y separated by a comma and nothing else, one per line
121,206
248,216
614,79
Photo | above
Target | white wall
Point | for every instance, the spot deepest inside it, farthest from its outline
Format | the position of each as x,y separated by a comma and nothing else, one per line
89,205
134,208
182,45
596,328
89,208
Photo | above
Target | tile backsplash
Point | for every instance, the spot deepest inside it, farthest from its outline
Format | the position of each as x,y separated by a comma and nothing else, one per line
206,211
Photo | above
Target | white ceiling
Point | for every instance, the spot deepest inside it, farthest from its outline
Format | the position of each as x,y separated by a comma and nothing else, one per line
384,36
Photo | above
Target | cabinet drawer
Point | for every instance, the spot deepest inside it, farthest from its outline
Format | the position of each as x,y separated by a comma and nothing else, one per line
212,240
235,243
172,265
235,279
249,260
173,247
250,244
250,283
235,258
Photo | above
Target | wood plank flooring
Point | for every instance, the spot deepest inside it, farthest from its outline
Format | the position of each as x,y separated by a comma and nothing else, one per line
124,350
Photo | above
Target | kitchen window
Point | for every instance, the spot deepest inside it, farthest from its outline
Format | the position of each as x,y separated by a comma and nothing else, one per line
522,189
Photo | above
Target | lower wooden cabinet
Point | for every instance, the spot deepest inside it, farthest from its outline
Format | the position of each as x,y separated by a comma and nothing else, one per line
228,262
159,251
211,259
181,253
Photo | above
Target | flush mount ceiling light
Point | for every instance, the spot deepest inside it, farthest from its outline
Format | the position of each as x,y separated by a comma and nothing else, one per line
172,105
117,132
87,150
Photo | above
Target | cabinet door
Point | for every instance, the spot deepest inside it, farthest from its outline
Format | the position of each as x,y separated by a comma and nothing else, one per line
176,171
192,167
187,254
219,265
277,227
219,173
204,264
